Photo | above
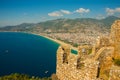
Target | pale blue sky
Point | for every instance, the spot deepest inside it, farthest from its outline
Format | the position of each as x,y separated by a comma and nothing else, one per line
13,12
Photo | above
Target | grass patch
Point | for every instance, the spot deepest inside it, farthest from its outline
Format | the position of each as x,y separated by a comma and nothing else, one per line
17,76
116,61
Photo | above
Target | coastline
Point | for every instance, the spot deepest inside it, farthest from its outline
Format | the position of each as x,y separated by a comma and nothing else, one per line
54,40
59,42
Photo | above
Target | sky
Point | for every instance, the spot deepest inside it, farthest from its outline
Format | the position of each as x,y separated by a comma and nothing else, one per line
14,12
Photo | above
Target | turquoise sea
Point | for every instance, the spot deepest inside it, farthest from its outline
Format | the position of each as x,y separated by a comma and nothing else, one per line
27,53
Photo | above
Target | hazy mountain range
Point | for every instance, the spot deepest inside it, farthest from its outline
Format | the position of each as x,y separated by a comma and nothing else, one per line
66,25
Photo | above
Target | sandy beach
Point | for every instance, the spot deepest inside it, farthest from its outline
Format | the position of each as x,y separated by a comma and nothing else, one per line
59,42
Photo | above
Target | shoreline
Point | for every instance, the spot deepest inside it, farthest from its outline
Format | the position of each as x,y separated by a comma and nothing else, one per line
59,42
54,40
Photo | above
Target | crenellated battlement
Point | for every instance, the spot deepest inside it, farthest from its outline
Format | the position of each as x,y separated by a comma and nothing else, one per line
91,62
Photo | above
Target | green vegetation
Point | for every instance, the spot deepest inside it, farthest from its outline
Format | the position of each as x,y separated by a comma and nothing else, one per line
89,51
116,61
17,76
75,45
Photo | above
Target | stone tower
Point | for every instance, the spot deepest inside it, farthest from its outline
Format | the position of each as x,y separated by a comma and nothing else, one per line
115,38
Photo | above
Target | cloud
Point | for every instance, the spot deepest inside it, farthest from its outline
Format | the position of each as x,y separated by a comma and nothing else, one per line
100,16
112,11
117,9
82,10
55,14
65,11
59,13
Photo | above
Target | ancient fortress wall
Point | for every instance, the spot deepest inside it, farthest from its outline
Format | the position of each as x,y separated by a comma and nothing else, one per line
91,62
69,70
114,73
115,38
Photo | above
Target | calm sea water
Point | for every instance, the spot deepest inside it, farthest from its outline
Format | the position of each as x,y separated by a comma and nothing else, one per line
27,53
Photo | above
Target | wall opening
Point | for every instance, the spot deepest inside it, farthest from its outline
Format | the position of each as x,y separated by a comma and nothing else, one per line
65,60
98,71
79,63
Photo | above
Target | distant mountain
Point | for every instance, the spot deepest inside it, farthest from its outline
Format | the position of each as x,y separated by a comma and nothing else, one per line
21,27
66,25
108,21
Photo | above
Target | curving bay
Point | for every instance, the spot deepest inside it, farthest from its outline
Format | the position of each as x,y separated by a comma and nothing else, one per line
27,53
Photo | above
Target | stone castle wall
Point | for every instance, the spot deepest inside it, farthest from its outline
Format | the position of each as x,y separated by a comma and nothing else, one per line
115,37
91,62
68,71
114,73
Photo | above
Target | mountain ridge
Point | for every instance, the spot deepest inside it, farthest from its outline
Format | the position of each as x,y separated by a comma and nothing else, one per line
65,25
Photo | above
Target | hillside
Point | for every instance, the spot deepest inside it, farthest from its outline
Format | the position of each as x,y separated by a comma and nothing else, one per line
66,25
